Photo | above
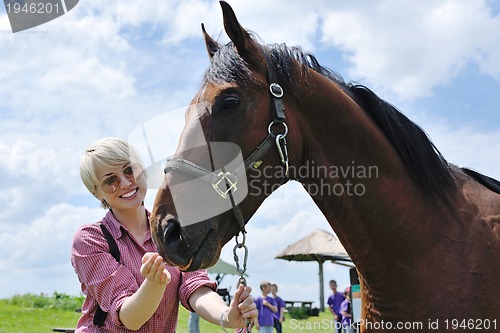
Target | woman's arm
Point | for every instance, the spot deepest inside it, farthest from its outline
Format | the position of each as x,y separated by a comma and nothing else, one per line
138,308
210,306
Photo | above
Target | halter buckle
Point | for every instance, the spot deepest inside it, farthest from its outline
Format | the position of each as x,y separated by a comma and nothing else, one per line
224,176
276,90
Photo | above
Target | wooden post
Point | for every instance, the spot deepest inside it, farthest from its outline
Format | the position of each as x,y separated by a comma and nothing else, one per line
321,287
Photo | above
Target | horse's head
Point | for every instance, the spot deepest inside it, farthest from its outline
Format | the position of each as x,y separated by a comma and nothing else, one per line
234,127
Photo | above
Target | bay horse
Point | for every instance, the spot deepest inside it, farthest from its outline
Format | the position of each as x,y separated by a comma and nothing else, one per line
424,234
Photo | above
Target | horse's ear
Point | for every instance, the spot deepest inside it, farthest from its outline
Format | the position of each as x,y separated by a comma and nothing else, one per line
212,45
247,48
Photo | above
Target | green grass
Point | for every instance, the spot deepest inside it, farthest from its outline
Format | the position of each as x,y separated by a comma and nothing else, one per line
38,313
320,324
41,313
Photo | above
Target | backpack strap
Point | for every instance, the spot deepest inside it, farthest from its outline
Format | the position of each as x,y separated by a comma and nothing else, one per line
113,247
100,315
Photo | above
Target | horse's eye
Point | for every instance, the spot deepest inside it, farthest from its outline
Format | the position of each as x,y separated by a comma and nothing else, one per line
230,103
227,102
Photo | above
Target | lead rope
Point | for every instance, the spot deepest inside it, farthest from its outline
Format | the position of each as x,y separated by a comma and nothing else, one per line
241,270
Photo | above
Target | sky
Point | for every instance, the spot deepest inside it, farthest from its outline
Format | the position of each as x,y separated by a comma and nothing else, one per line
107,67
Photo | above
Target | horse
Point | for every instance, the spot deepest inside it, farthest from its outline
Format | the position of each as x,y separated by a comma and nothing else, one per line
423,234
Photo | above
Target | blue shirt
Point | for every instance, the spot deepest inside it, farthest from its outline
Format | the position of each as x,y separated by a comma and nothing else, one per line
266,317
334,302
280,304
346,306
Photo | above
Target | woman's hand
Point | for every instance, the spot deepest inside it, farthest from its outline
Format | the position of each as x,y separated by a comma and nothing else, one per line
138,308
154,270
242,307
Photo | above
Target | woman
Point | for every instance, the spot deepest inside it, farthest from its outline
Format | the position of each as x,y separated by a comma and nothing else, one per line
137,292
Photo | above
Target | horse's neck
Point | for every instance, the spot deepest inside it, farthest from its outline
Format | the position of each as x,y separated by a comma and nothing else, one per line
367,195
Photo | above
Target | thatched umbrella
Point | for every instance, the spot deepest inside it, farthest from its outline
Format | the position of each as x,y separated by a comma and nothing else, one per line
319,246
222,268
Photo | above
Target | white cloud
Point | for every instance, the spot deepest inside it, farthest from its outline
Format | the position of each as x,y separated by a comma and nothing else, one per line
35,176
272,22
42,248
467,146
411,48
90,75
38,164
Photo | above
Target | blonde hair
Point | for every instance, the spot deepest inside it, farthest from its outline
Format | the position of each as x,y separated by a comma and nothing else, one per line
105,153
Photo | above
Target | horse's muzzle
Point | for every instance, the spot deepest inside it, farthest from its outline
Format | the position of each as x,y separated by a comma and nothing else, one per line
171,245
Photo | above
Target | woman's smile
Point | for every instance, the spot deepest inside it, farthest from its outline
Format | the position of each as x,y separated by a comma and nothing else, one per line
129,194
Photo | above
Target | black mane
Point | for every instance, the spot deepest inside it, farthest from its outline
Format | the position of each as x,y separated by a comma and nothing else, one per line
427,166
423,160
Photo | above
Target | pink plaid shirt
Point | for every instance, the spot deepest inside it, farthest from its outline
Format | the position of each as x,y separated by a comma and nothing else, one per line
108,283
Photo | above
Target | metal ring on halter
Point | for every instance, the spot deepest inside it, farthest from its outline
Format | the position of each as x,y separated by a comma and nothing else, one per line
240,245
285,128
276,90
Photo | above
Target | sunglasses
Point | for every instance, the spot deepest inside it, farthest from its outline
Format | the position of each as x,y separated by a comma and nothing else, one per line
112,183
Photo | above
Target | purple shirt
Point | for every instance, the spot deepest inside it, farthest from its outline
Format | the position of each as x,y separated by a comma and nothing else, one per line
334,302
108,283
266,315
280,304
345,306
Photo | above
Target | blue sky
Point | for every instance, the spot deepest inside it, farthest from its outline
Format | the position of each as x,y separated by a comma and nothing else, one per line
107,67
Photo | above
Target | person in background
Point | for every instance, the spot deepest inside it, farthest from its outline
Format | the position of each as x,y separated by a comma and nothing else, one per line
136,292
346,312
334,301
194,323
266,306
280,304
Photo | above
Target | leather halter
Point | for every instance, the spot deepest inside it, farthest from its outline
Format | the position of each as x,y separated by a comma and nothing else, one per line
253,161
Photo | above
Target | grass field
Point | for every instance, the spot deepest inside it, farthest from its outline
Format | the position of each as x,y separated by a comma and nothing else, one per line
41,313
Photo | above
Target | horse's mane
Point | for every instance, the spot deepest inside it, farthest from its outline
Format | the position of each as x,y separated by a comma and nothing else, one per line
423,160
426,165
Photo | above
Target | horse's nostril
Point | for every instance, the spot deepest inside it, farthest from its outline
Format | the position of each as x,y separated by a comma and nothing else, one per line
172,232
